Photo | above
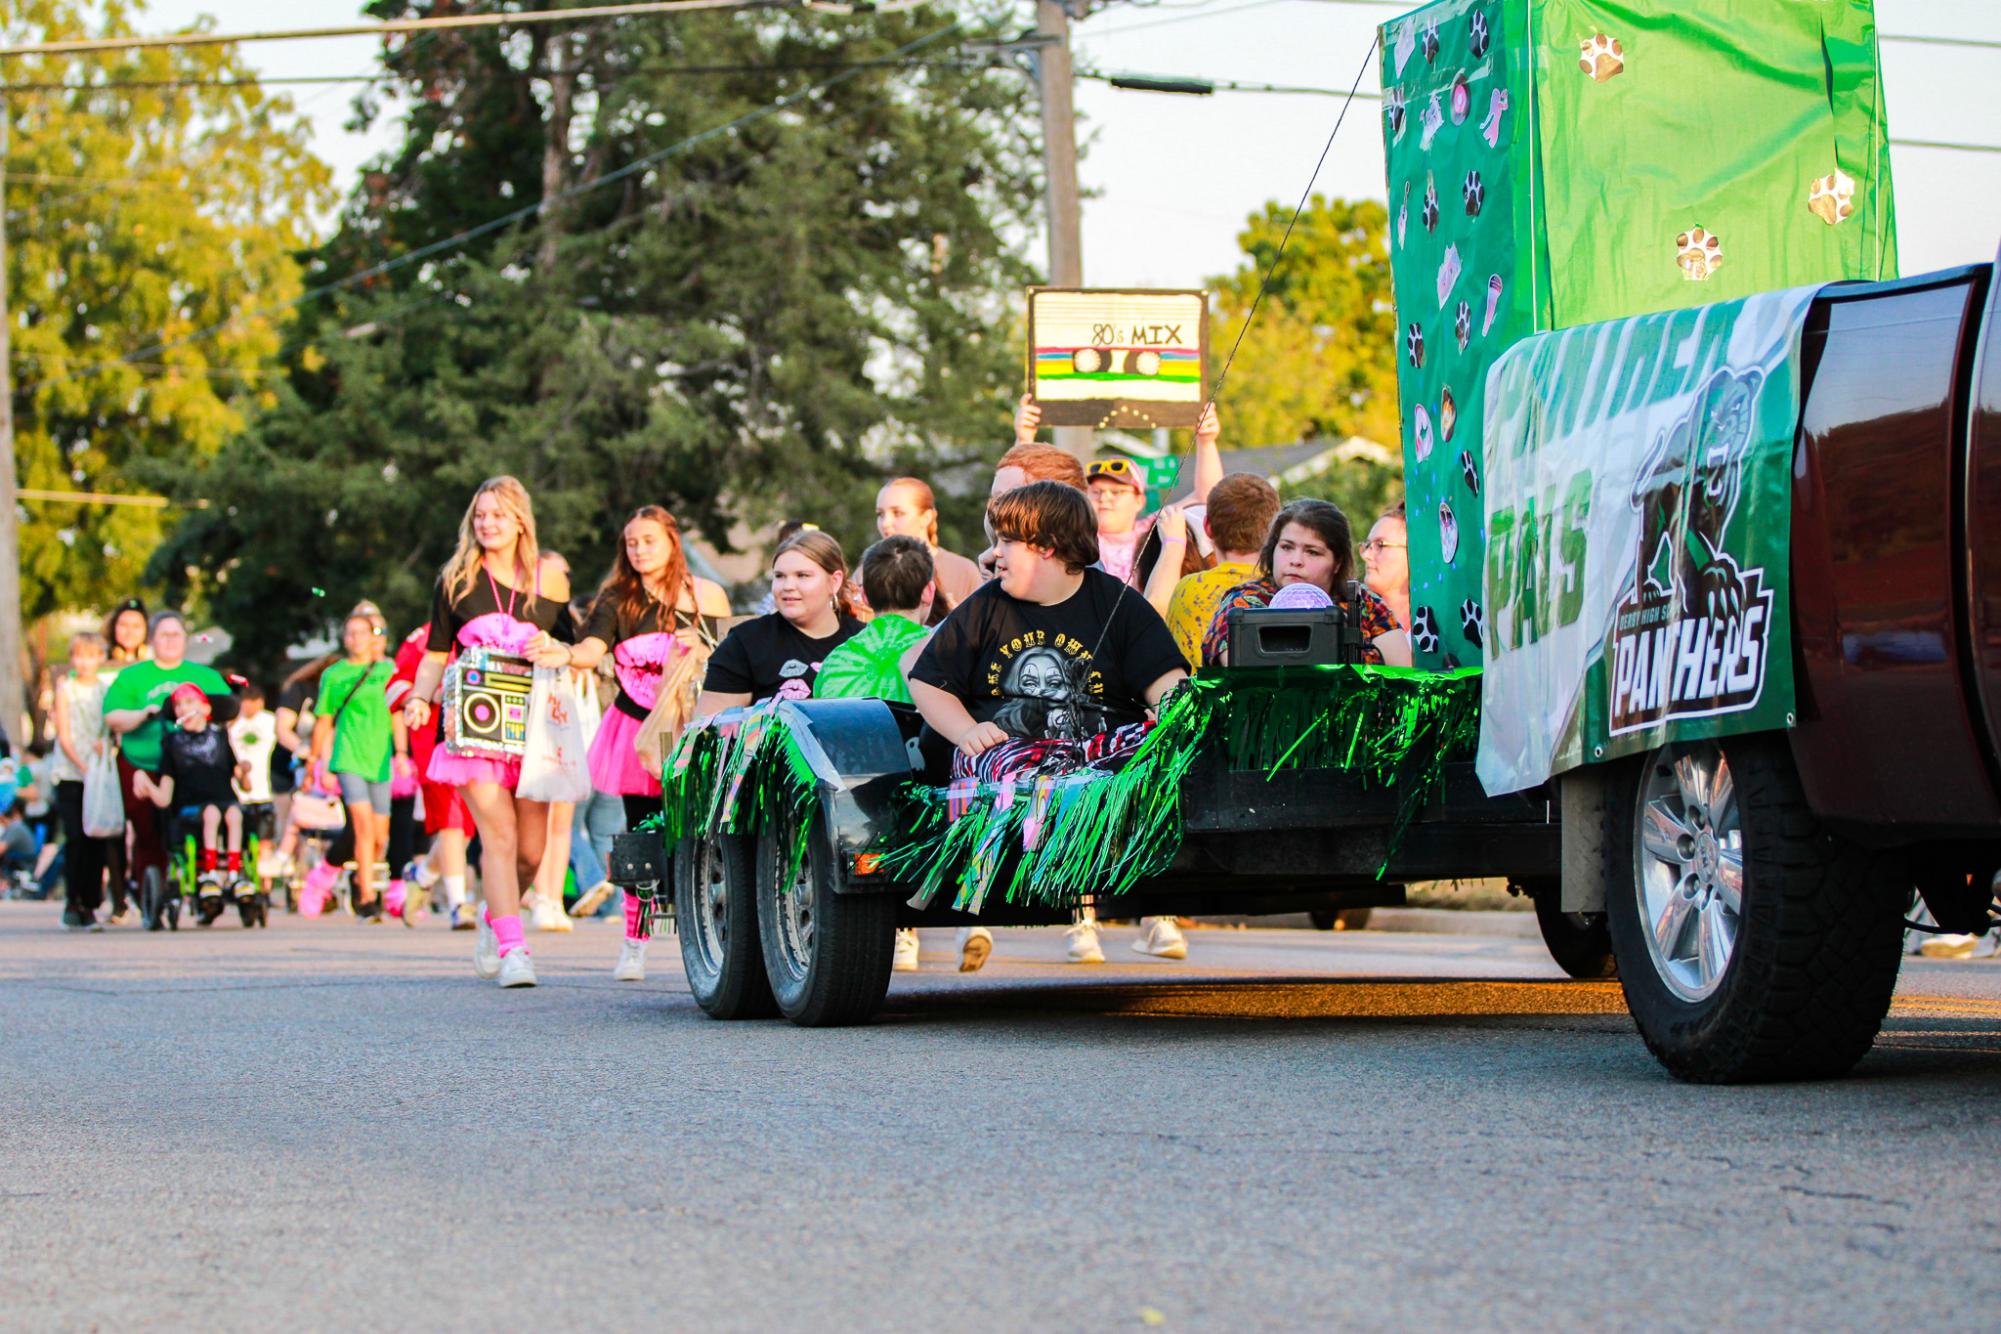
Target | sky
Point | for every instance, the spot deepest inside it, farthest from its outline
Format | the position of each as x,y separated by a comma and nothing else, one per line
1171,179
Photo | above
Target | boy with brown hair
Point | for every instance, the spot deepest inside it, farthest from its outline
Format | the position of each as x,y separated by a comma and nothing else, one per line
1241,509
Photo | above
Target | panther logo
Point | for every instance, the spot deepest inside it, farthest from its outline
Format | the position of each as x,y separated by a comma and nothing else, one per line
1687,493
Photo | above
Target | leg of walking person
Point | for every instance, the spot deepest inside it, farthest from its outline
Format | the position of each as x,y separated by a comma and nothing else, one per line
402,852
552,868
149,849
83,860
511,835
631,966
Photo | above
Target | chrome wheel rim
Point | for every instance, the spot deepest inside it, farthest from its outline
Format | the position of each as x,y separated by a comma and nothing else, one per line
796,908
1688,867
711,906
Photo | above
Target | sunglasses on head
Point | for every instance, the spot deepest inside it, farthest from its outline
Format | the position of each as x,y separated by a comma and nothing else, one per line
1123,470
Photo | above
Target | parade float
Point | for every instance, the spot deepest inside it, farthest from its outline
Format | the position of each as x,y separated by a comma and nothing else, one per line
1698,496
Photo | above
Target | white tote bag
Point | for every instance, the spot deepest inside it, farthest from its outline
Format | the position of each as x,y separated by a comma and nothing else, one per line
553,766
103,800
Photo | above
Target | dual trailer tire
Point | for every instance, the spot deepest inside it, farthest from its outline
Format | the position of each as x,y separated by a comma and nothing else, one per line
715,910
1752,944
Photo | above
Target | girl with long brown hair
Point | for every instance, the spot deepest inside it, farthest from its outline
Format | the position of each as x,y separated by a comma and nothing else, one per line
495,594
650,611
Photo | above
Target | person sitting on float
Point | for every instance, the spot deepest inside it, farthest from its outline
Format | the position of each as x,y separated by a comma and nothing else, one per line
1239,515
779,655
1387,556
1311,543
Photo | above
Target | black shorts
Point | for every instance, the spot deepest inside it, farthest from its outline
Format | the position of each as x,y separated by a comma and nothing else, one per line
260,819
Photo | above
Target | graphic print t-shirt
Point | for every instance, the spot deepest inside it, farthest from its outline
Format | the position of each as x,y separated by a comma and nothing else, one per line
1067,672
200,763
770,657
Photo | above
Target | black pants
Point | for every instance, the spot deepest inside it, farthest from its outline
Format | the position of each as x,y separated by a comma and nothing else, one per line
84,859
402,843
639,808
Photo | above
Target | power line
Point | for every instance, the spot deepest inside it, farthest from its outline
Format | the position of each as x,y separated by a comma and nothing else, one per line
81,45
487,228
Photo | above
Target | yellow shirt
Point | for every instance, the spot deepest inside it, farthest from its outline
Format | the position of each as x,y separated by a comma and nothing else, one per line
1193,607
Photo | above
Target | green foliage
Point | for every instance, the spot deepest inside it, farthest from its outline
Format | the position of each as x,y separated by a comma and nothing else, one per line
768,322
137,218
1319,361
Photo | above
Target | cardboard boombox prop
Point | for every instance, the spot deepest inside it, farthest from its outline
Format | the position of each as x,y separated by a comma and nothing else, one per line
484,702
1105,357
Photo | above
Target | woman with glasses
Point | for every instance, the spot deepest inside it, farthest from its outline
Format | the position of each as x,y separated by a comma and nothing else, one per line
1386,554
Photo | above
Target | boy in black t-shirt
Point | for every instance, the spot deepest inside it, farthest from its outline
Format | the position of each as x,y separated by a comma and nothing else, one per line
1052,665
197,765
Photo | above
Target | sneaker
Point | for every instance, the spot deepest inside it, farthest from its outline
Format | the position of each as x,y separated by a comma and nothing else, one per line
975,944
592,899
486,959
72,920
1949,947
517,969
123,917
905,958
465,917
631,966
1082,942
551,917
93,925
1161,938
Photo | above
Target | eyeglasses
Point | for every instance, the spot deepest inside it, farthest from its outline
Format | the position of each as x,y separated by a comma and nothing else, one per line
1377,544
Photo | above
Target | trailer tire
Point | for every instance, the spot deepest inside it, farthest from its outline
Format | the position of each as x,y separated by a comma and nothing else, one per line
715,912
827,954
1580,942
1809,960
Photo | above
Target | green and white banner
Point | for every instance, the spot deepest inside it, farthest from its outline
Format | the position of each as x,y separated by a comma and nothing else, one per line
1638,513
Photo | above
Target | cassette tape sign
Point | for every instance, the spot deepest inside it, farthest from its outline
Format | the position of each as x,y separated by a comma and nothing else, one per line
1105,357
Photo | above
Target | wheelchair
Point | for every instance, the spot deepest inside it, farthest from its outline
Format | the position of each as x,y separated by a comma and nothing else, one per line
162,898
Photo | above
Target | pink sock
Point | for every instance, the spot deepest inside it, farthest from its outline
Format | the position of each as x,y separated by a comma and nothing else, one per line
633,930
507,932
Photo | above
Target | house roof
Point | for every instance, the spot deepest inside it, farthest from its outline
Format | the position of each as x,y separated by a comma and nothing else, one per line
1283,464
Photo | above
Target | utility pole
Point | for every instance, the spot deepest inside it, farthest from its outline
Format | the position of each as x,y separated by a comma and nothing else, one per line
13,694
1059,166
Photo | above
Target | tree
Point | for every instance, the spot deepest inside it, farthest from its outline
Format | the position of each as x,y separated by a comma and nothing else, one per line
151,239
1319,361
740,323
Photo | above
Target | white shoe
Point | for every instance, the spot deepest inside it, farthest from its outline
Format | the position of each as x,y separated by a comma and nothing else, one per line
1082,940
517,969
975,944
905,958
631,965
551,917
591,899
1949,947
1161,938
485,949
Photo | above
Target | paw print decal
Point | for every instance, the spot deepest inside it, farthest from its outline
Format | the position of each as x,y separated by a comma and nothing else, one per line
1699,253
1414,345
1475,193
1424,630
1601,57
1427,42
1478,37
1473,621
1462,324
1832,198
1469,470
1397,114
1428,214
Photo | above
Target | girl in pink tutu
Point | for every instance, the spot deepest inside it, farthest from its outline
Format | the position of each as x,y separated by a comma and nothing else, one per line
650,611
496,593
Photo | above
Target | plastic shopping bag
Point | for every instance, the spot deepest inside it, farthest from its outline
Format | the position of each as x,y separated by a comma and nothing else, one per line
553,766
103,801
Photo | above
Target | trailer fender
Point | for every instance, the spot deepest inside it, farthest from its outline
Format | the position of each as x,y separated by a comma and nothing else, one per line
863,755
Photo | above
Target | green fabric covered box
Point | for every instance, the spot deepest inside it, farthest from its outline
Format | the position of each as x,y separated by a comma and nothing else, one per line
1559,162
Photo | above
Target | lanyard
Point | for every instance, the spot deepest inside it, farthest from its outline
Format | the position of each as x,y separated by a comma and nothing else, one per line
512,593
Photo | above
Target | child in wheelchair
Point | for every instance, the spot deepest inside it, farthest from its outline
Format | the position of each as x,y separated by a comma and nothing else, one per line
198,766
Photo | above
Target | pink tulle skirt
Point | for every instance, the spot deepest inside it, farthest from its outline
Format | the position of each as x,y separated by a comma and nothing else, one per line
614,758
458,770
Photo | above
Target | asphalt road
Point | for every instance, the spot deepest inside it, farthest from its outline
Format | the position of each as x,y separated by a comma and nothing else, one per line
329,1126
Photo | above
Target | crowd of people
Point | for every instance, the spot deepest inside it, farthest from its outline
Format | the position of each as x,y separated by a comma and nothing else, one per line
1047,653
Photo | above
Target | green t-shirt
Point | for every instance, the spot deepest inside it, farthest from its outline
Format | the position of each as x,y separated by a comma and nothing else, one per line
141,685
866,666
353,695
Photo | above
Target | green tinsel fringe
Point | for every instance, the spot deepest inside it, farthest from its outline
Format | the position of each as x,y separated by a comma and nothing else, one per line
741,780
1094,833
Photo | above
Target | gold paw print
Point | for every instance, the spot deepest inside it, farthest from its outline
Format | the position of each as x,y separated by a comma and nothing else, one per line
1601,57
1699,253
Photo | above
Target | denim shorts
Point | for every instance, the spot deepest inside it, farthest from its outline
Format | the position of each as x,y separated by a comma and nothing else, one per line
358,791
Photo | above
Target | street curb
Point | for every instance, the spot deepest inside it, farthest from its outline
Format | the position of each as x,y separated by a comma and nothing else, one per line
1431,921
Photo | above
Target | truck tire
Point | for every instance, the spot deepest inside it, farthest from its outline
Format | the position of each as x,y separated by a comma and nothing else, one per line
715,908
826,954
1580,942
1752,944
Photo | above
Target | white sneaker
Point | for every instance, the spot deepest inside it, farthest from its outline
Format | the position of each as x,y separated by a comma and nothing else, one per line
975,944
1161,938
465,917
485,949
1082,940
905,959
1949,947
517,969
551,917
631,965
591,899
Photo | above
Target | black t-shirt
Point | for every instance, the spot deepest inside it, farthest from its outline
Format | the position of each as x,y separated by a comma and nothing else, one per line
1068,672
448,615
200,763
612,624
770,657
298,697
